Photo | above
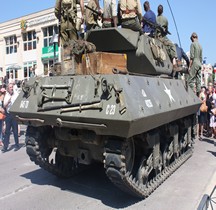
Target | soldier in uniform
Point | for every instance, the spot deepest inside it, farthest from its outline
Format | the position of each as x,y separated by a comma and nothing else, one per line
131,14
90,17
110,14
66,12
170,47
194,77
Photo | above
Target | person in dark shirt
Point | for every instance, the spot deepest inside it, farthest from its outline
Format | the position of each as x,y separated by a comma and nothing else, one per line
181,55
149,16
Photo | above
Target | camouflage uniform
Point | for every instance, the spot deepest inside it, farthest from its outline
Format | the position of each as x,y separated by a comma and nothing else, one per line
194,77
170,47
68,17
131,14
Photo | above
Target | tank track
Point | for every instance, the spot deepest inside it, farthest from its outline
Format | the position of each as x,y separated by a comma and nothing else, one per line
116,171
33,149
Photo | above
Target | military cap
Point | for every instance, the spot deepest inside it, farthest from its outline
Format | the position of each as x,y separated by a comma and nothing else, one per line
194,35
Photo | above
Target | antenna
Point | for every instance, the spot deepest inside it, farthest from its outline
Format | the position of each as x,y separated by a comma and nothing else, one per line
174,22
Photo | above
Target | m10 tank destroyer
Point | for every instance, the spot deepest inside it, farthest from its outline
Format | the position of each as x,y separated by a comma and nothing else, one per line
117,105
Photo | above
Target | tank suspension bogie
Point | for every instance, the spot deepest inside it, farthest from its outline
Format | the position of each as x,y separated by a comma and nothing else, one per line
163,155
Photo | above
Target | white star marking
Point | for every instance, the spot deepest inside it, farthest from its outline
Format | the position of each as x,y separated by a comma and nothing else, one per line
168,92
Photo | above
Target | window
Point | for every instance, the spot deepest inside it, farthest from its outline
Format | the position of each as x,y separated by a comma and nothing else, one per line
48,33
27,69
47,66
11,44
29,41
14,74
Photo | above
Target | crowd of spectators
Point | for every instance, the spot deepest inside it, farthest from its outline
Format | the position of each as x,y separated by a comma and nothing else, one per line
207,117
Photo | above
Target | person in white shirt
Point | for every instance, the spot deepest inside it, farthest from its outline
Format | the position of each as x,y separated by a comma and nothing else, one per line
10,122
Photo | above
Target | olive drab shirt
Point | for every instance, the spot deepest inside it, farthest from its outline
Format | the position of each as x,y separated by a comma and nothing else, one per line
130,8
68,9
196,55
162,21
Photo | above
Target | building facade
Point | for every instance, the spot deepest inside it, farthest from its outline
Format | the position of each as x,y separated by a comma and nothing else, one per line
25,43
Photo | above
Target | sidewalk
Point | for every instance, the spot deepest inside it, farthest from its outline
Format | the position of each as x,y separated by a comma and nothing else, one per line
210,195
210,191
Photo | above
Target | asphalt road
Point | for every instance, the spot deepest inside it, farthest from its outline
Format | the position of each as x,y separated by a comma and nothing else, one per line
24,186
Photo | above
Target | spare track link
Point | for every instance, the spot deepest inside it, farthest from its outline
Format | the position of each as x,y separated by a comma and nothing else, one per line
117,173
33,150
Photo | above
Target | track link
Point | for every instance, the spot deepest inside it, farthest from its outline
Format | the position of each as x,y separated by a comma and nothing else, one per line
118,174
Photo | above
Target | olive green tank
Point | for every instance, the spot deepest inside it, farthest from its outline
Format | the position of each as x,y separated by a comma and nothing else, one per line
117,105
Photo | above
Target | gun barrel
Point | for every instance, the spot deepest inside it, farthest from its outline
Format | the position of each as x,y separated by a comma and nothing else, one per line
157,26
94,11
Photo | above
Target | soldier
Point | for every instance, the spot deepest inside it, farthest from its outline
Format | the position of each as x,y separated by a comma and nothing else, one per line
90,17
170,47
110,14
131,14
162,20
66,12
194,78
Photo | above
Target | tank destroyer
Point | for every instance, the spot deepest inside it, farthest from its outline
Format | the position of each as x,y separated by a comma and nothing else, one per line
117,105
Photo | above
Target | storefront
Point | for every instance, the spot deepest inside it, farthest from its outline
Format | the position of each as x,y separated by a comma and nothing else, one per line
49,55
25,43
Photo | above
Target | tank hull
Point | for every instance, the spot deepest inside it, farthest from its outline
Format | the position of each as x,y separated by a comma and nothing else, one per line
137,105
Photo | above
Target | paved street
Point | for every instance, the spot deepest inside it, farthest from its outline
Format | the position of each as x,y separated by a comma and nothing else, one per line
24,186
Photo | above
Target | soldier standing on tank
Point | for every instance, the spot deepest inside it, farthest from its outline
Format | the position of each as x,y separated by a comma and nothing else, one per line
131,14
66,12
170,47
194,78
90,17
110,14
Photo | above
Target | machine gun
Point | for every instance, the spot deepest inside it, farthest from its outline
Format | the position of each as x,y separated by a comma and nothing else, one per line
158,27
94,11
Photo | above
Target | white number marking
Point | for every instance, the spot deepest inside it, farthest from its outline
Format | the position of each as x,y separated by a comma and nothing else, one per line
24,104
110,109
148,103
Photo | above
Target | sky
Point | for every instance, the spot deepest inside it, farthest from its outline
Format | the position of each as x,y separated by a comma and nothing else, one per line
189,15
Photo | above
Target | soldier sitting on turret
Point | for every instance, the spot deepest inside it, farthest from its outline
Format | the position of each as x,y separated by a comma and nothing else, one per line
131,14
170,47
149,16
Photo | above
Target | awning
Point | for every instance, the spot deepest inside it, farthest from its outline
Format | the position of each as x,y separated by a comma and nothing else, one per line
13,67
